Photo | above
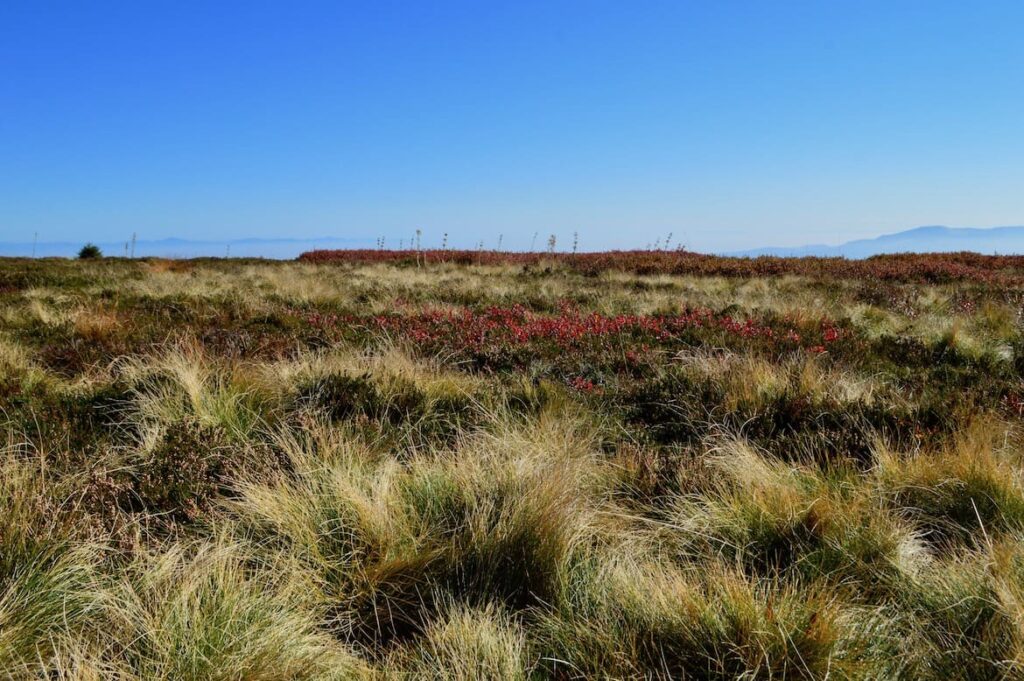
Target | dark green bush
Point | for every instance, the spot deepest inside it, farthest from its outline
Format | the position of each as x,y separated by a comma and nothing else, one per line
90,251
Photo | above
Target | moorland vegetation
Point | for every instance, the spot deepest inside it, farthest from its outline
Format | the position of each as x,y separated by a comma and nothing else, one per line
478,465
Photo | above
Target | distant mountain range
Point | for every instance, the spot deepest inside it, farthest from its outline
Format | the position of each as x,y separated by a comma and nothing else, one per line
1005,240
187,248
935,239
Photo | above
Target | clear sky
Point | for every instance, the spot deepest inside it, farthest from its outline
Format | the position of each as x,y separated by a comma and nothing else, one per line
731,124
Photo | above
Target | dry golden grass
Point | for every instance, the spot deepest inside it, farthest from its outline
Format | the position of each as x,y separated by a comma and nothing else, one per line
200,482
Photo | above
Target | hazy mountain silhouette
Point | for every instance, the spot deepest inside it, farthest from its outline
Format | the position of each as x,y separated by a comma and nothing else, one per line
934,239
187,248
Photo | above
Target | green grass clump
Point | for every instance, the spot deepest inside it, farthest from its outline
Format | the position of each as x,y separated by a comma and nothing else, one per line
776,518
468,644
961,617
208,612
493,521
48,570
631,618
966,494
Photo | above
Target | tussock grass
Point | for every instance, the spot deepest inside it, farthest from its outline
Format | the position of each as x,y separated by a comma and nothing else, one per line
230,470
47,569
795,406
819,524
467,644
184,383
95,324
210,612
416,401
494,520
17,370
966,493
755,384
963,616
635,618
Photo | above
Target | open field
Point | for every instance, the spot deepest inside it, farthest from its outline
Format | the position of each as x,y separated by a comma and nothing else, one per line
491,466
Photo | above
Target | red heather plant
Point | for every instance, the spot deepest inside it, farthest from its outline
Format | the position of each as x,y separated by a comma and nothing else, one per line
916,267
497,330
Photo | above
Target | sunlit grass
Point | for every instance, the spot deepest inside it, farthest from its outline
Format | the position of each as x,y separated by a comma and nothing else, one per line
199,482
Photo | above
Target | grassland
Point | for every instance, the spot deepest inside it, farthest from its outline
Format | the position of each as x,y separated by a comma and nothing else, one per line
484,466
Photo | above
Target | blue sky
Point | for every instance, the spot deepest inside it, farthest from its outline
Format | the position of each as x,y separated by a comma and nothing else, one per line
731,124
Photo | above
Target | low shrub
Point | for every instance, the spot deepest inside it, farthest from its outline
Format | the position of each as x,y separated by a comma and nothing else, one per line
184,472
90,251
